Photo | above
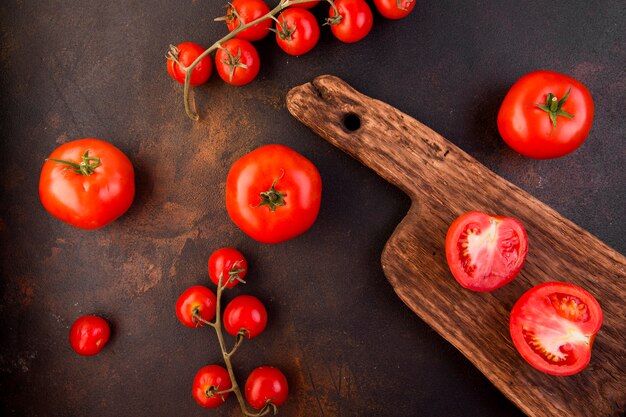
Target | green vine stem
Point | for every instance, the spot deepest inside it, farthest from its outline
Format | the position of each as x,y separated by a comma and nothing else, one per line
242,26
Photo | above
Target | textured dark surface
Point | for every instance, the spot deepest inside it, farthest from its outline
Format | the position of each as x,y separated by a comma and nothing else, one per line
347,344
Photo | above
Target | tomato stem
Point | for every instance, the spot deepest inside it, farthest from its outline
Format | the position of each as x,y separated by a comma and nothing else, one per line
272,197
553,107
85,167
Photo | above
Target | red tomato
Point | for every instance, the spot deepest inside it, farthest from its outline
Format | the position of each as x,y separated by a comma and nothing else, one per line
485,252
237,62
266,384
208,382
297,31
273,193
196,299
87,183
182,56
307,5
248,11
228,263
246,313
354,21
553,326
546,115
89,334
394,9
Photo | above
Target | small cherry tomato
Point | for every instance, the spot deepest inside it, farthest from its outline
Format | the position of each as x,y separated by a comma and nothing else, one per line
553,326
209,381
182,56
485,252
546,115
354,22
247,11
87,183
297,31
273,193
237,62
264,385
228,263
394,9
246,314
89,334
196,300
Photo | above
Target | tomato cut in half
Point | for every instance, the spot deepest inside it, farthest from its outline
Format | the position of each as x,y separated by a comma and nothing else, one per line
485,252
553,326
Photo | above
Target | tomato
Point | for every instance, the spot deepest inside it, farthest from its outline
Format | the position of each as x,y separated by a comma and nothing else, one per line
485,252
237,62
196,300
89,334
297,31
553,326
247,11
245,313
208,382
182,56
354,21
228,263
264,385
546,115
306,5
273,193
394,9
87,183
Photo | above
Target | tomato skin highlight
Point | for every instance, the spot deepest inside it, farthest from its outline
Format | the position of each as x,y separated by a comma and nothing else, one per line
207,377
266,383
188,52
222,262
242,52
245,312
305,31
87,201
292,175
249,11
197,298
89,334
485,252
356,23
529,130
390,10
551,315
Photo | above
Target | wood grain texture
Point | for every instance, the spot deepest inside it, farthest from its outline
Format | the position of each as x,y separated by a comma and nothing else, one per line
444,182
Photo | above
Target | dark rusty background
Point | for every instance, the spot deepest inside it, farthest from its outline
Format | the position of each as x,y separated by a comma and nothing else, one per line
349,347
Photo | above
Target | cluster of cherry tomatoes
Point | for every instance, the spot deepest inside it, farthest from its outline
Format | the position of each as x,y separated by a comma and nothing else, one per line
245,317
553,325
296,28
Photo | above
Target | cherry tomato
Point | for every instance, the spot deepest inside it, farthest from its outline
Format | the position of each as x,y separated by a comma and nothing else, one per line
546,115
237,62
553,326
394,9
297,31
89,334
87,183
184,55
354,21
208,382
248,11
307,5
245,313
228,263
485,252
196,299
266,384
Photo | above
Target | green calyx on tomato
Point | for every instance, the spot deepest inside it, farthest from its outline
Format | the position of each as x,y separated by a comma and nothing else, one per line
272,197
285,32
554,106
86,167
233,61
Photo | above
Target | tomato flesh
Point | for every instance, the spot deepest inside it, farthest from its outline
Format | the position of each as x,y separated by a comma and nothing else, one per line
485,252
553,327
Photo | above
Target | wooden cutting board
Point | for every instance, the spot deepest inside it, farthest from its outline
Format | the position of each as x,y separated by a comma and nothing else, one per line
444,182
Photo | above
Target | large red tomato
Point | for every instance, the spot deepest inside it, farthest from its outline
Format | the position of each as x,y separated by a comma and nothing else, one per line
87,183
553,326
546,115
273,193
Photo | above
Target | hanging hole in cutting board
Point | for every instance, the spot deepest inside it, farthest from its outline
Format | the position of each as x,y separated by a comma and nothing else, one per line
351,122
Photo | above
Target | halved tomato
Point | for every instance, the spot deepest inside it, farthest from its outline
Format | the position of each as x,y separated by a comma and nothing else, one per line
553,326
485,252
